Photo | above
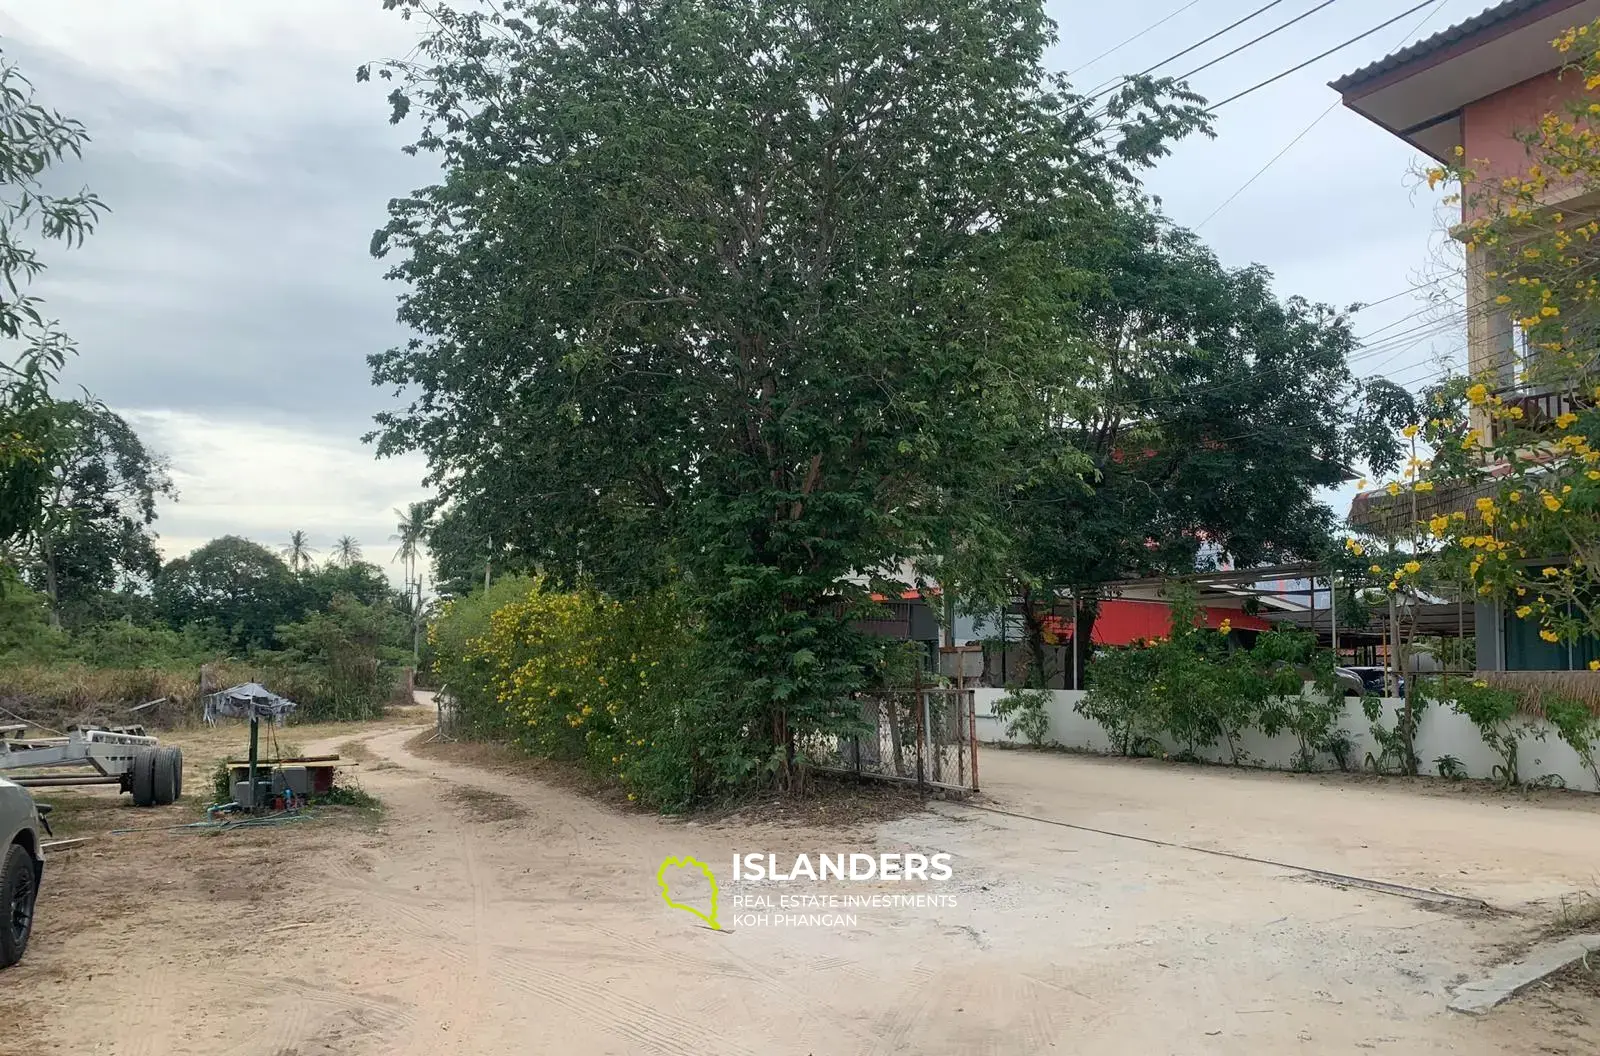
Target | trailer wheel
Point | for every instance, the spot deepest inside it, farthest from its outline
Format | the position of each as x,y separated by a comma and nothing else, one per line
19,890
177,770
142,777
164,779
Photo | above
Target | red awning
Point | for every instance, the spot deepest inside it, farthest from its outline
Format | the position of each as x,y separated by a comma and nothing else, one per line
1122,621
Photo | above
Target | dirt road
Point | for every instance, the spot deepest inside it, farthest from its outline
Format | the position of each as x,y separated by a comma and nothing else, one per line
489,913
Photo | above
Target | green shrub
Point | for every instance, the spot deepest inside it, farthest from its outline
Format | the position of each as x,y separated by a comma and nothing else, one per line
342,664
1578,726
1493,711
1023,712
574,675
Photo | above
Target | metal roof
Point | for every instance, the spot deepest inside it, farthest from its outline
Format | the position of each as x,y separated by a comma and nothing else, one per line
1484,20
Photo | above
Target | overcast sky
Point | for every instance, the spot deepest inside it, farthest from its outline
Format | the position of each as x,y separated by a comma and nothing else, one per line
228,301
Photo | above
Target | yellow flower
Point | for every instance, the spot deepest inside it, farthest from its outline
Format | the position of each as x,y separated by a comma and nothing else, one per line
1393,488
1549,635
1439,524
1354,547
1477,394
1566,420
1425,485
1375,569
1523,611
1550,573
1362,483
1594,665
1551,503
1516,496
1413,567
1409,431
1225,627
1485,505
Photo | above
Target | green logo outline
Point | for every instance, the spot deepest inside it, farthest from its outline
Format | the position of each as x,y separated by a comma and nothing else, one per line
705,870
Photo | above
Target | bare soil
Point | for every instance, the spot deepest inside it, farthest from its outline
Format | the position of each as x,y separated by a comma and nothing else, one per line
500,908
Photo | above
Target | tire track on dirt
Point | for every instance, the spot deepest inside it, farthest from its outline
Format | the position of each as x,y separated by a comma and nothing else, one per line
620,1015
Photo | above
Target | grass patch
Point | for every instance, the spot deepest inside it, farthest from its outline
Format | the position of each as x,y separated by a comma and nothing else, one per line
349,795
482,805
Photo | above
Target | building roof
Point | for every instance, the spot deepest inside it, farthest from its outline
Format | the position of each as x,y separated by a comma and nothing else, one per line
1420,92
1494,16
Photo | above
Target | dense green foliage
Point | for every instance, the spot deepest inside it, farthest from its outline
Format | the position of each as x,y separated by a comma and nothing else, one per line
33,140
1204,413
697,315
93,541
1196,687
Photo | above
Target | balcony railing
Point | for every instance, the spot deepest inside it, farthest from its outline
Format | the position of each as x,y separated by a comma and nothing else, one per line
1539,409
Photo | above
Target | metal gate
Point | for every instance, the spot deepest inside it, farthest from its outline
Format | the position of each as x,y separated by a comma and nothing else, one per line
926,735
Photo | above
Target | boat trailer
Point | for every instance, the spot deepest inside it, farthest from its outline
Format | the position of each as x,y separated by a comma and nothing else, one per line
125,756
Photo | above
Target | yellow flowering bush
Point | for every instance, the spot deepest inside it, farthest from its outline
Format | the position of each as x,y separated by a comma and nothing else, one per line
571,674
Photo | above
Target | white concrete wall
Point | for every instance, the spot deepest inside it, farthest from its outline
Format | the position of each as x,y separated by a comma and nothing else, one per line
1441,732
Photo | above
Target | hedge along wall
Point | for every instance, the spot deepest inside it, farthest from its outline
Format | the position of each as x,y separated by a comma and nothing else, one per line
1440,732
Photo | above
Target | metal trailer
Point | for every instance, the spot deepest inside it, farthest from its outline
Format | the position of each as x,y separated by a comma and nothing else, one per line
124,756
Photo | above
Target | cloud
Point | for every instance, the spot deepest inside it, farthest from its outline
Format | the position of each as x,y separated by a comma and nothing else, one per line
266,479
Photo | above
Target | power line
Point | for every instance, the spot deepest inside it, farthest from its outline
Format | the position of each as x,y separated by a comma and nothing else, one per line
1263,170
1316,58
1306,131
1095,93
1136,36
1251,43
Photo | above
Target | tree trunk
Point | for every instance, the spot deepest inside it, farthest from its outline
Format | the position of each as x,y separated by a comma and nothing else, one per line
51,588
1036,676
1088,611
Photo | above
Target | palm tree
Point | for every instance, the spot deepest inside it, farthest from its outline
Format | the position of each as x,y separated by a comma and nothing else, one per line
298,550
346,551
412,531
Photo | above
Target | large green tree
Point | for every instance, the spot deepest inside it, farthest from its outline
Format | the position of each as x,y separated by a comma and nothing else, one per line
33,140
753,296
94,534
239,590
1203,415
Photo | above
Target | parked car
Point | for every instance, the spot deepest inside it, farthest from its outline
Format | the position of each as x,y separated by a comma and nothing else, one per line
1372,680
21,868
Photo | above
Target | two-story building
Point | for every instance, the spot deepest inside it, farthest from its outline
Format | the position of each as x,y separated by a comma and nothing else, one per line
1467,92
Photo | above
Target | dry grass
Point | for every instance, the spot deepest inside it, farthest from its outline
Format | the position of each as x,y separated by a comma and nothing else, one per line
1533,688
1577,914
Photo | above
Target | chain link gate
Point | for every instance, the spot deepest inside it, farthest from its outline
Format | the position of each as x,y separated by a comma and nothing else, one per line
924,734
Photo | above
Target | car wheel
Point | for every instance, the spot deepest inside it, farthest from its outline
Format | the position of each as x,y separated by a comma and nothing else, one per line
164,779
143,777
19,890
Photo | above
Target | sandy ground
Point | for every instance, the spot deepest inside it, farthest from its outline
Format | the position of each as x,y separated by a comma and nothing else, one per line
486,912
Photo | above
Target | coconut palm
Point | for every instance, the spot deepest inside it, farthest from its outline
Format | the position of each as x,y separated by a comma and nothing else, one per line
412,531
346,551
298,550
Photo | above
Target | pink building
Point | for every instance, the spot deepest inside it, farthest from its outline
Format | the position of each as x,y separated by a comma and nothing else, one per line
1467,92
1473,87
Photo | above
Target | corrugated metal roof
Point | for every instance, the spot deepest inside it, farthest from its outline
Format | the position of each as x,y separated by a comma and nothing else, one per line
1444,38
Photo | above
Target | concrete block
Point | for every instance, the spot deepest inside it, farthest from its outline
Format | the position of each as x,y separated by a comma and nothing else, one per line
1476,998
